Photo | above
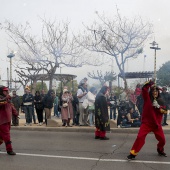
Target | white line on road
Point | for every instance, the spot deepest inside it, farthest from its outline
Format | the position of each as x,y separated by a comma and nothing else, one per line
92,159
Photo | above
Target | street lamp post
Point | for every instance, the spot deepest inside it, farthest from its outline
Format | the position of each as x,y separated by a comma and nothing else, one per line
61,81
42,81
10,56
155,48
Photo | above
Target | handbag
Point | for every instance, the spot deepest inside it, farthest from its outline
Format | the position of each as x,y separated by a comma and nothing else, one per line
91,107
85,103
65,104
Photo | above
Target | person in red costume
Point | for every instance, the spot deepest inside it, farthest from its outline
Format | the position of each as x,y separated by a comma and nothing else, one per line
153,110
6,111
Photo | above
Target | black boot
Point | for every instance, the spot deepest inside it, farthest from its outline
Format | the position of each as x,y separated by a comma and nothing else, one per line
131,157
97,137
104,138
161,153
69,125
11,153
64,124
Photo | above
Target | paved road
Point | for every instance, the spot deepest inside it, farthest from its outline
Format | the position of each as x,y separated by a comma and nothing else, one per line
49,150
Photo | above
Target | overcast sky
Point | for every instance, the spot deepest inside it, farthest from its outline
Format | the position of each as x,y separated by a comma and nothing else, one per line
78,11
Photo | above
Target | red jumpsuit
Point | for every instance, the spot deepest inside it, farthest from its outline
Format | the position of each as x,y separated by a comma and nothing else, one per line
6,111
151,122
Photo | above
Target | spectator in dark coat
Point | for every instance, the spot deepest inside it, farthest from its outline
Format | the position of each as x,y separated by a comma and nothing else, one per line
39,107
112,103
28,100
75,104
101,114
48,104
166,98
139,104
16,102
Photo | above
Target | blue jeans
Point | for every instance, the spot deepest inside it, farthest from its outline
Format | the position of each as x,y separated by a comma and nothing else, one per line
56,113
136,124
113,113
33,115
28,113
91,117
75,116
125,124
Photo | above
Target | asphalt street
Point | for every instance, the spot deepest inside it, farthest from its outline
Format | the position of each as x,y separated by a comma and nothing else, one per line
49,150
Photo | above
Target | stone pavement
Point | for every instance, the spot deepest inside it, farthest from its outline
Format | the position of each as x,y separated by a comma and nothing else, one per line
56,125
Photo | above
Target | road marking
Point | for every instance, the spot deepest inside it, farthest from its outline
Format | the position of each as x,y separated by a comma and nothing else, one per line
92,159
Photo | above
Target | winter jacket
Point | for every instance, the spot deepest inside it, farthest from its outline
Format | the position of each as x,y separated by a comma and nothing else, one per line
28,99
151,116
6,110
38,102
16,101
48,100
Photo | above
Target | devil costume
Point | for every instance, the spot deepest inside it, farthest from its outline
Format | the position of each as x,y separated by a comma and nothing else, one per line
6,111
153,110
101,115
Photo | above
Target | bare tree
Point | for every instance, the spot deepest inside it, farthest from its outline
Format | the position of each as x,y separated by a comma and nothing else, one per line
23,80
27,73
118,37
55,47
102,77
29,48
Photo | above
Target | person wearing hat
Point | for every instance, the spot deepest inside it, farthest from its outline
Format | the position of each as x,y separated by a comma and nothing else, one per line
67,108
6,111
166,97
153,110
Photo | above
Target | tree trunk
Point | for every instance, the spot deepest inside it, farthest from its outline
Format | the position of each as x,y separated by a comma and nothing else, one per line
125,83
33,87
50,82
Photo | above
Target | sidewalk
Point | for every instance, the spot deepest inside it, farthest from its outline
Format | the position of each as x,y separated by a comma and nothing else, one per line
36,127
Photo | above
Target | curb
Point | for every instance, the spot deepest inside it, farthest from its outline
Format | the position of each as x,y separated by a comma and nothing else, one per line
81,129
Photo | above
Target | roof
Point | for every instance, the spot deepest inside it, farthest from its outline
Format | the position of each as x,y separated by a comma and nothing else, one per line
58,77
134,75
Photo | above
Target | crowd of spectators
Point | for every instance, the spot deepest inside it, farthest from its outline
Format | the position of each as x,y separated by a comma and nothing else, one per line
78,109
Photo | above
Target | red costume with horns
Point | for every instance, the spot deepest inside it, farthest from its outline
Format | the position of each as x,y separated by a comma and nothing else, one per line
6,111
151,120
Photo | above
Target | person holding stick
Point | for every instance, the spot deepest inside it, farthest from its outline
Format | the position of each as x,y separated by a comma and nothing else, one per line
6,111
153,111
